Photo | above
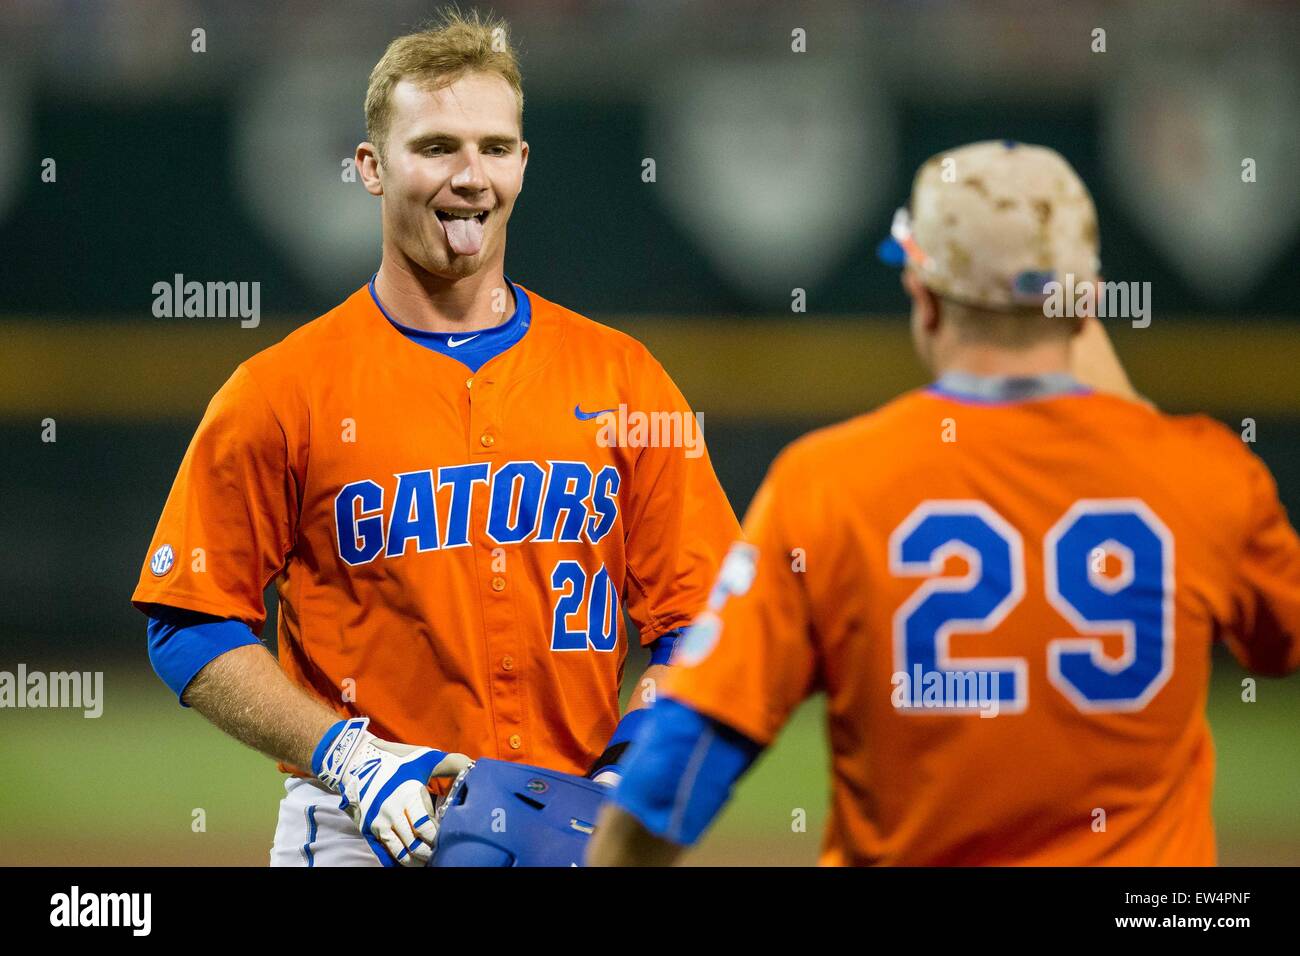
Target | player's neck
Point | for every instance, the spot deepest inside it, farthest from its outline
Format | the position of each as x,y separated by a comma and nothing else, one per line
991,362
421,300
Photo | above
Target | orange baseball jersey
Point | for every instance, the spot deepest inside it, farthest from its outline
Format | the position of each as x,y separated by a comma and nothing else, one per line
1010,608
452,552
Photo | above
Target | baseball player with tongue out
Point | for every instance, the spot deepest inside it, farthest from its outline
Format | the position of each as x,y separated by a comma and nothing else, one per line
431,475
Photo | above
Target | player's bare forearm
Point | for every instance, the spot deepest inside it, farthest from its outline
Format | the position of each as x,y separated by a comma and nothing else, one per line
245,693
621,840
647,687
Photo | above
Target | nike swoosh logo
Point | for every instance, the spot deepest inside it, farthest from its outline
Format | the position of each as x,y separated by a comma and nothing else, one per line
582,416
453,343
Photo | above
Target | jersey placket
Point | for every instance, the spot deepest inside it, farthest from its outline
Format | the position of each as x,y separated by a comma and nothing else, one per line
502,633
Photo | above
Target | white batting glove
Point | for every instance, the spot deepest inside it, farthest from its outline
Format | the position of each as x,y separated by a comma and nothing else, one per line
384,786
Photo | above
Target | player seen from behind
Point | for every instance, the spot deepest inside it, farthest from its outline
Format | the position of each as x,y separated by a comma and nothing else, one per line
1007,583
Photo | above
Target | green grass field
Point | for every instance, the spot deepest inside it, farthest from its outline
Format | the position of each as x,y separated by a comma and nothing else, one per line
125,788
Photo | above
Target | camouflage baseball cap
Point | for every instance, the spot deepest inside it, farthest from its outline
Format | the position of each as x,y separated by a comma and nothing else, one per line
990,224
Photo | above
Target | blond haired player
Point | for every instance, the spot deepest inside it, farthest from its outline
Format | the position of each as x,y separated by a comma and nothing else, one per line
421,472
1010,582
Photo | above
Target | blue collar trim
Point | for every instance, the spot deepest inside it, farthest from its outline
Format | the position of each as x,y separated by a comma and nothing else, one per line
471,349
517,324
1001,389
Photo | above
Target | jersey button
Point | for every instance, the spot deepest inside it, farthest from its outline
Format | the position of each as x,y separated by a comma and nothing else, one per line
469,383
507,663
516,742
486,440
498,583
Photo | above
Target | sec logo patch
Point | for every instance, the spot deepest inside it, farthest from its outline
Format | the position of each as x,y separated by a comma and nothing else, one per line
736,575
699,640
162,560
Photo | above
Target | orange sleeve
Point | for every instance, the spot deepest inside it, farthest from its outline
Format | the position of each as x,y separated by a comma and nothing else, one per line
230,519
750,659
679,521
1264,633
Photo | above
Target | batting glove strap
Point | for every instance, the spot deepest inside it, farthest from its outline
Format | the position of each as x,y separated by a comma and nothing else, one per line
384,788
335,750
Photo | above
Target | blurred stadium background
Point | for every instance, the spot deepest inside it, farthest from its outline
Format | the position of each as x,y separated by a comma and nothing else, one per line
774,171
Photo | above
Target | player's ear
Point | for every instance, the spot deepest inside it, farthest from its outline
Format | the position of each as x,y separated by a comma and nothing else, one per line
925,304
909,283
933,313
368,166
523,159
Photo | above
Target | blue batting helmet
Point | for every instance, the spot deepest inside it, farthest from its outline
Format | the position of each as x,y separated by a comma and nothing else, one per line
510,814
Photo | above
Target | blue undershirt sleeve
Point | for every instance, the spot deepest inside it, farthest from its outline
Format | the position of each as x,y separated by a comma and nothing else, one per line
182,643
681,771
618,748
661,649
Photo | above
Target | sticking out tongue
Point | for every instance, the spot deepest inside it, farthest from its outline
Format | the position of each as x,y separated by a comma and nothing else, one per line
465,236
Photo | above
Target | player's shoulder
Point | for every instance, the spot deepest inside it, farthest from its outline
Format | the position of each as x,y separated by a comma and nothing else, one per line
1204,430
1213,446
315,346
813,477
583,333
910,418
846,440
318,338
